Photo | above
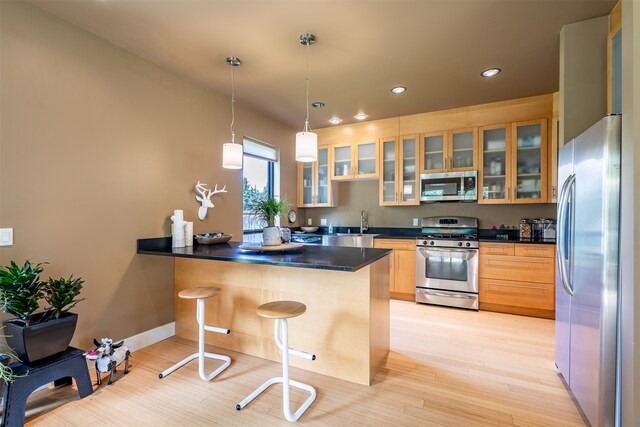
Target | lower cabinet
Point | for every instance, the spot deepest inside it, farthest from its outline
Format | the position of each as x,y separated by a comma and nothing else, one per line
402,278
517,278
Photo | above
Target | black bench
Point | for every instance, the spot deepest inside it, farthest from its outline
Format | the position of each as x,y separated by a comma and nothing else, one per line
59,370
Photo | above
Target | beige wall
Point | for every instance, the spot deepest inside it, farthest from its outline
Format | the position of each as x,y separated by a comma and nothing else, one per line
97,148
583,76
355,196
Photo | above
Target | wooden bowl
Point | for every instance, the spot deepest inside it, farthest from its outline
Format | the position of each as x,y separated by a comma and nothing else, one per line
212,238
310,229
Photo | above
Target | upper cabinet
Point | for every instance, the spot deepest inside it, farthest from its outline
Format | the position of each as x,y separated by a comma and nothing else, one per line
355,161
314,183
448,151
399,171
529,162
513,163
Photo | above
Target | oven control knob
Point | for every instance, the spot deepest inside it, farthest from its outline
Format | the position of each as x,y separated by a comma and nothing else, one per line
459,243
468,244
432,243
424,242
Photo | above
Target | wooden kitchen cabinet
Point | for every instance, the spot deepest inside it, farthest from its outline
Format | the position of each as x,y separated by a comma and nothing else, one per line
513,163
358,160
402,278
399,171
517,278
448,151
314,183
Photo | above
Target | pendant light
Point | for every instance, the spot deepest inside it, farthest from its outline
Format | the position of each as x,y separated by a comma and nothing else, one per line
307,141
232,152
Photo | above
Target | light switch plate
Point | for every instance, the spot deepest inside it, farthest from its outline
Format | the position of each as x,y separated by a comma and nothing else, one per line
323,221
6,236
415,222
309,221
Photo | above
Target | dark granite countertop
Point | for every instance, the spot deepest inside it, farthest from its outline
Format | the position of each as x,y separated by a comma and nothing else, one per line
310,256
528,241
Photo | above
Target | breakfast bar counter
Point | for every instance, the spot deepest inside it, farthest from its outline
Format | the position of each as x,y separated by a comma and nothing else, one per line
346,291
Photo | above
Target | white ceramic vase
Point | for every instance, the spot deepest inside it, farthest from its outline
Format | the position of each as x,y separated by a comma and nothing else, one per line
271,236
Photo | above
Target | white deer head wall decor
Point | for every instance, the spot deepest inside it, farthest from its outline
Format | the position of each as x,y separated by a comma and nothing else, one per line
205,198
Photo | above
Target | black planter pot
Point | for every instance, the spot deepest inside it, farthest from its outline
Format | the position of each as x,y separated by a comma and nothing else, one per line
40,340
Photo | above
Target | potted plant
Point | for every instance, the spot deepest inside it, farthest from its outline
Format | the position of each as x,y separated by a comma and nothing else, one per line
35,336
266,210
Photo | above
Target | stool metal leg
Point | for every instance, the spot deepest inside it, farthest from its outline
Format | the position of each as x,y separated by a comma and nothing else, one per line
201,354
281,335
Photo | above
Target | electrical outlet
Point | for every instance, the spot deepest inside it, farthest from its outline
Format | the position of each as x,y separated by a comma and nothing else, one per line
323,221
309,221
6,236
415,222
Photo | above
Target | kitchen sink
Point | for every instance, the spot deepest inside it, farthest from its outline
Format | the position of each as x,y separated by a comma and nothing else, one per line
350,240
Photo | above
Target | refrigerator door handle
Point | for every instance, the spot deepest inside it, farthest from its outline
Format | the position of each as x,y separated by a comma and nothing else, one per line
565,194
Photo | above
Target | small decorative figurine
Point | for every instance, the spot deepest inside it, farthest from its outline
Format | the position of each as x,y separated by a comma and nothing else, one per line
205,198
109,356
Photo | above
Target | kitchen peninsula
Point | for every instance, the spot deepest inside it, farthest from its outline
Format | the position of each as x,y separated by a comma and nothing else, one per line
346,291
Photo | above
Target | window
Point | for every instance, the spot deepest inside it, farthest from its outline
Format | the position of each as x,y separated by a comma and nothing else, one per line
258,181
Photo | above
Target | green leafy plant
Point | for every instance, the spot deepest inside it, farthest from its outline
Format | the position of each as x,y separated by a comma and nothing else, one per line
21,289
61,294
268,208
6,373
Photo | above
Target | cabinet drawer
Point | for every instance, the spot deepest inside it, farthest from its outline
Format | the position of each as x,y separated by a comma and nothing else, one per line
535,250
497,248
401,244
525,269
517,294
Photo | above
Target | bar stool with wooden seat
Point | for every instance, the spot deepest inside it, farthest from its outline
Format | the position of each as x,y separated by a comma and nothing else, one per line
200,294
281,311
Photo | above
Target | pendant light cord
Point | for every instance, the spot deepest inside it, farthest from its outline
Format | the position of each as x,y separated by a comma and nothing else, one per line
233,114
306,122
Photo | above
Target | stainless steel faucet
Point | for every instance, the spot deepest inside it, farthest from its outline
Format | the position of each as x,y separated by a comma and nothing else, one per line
364,226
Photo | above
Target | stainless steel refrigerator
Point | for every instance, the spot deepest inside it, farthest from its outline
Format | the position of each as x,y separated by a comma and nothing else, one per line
587,268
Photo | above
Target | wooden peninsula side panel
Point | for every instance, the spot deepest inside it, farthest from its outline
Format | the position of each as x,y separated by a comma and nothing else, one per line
346,324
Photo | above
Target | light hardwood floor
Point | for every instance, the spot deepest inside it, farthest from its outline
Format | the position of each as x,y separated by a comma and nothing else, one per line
447,367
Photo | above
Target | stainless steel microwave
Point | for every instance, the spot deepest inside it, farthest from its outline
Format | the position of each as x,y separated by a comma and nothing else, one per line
449,187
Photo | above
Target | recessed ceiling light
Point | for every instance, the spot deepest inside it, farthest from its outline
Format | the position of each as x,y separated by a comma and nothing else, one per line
334,120
317,104
398,89
360,116
490,72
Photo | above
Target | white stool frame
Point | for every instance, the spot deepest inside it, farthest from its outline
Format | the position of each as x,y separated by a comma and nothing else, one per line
281,335
200,355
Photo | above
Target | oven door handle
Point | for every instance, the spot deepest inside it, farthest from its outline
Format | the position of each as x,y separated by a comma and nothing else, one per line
470,253
440,294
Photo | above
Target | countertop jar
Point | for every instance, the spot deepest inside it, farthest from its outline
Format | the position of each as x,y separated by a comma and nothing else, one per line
525,229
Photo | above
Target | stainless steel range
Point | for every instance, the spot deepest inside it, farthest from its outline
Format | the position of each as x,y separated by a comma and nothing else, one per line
447,262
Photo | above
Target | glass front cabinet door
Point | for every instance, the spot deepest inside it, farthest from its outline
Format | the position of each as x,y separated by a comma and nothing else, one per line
463,148
342,162
366,160
388,171
529,162
433,152
408,171
494,164
314,183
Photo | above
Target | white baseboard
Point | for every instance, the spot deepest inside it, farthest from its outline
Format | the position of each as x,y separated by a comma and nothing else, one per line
152,336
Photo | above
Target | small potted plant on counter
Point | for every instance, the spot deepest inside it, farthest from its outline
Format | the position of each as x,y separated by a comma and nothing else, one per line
266,210
35,336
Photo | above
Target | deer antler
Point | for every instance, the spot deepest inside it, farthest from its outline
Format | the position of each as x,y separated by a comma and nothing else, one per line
215,190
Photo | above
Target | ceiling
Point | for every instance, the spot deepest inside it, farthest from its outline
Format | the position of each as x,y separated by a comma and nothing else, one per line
436,49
